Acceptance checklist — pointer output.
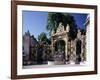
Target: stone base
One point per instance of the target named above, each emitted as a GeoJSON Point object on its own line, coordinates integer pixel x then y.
{"type": "Point", "coordinates": [59, 62]}
{"type": "Point", "coordinates": [50, 62]}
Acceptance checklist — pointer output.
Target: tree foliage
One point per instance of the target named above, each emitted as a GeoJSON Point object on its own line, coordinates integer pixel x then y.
{"type": "Point", "coordinates": [83, 31]}
{"type": "Point", "coordinates": [55, 18]}
{"type": "Point", "coordinates": [43, 38]}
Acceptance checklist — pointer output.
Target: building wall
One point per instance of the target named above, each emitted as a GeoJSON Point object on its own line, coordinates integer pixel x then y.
{"type": "Point", "coordinates": [26, 45]}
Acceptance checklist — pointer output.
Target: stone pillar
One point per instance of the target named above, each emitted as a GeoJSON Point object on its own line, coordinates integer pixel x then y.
{"type": "Point", "coordinates": [52, 46]}
{"type": "Point", "coordinates": [65, 39]}
{"type": "Point", "coordinates": [83, 48]}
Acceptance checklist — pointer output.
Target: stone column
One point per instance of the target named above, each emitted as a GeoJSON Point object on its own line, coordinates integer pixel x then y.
{"type": "Point", "coordinates": [65, 39]}
{"type": "Point", "coordinates": [52, 46]}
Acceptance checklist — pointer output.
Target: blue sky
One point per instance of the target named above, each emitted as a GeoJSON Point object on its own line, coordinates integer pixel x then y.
{"type": "Point", "coordinates": [80, 19]}
{"type": "Point", "coordinates": [36, 21]}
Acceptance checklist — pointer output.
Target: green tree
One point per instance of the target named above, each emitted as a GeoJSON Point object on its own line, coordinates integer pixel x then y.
{"type": "Point", "coordinates": [53, 21]}
{"type": "Point", "coordinates": [83, 31]}
{"type": "Point", "coordinates": [55, 18]}
{"type": "Point", "coordinates": [42, 37]}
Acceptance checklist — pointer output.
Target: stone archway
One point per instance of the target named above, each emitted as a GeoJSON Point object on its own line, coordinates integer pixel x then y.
{"type": "Point", "coordinates": [60, 45]}
{"type": "Point", "coordinates": [60, 34]}
{"type": "Point", "coordinates": [78, 51]}
{"type": "Point", "coordinates": [63, 38]}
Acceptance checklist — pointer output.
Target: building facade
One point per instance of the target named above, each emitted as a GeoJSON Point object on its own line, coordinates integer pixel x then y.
{"type": "Point", "coordinates": [29, 43]}
{"type": "Point", "coordinates": [26, 45]}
